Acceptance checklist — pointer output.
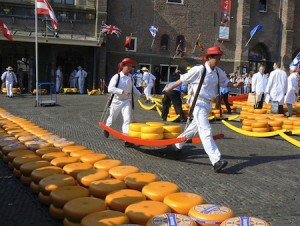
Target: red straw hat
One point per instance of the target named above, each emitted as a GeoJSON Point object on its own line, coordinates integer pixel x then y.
{"type": "Point", "coordinates": [128, 61]}
{"type": "Point", "coordinates": [215, 50]}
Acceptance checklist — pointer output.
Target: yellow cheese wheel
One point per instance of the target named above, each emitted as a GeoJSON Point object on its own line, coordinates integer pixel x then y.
{"type": "Point", "coordinates": [28, 167]}
{"type": "Point", "coordinates": [40, 173]}
{"type": "Point", "coordinates": [274, 128]}
{"type": "Point", "coordinates": [56, 140]}
{"type": "Point", "coordinates": [73, 148]}
{"type": "Point", "coordinates": [136, 127]}
{"type": "Point", "coordinates": [119, 200]}
{"type": "Point", "coordinates": [260, 129]}
{"type": "Point", "coordinates": [171, 135]}
{"type": "Point", "coordinates": [132, 133]}
{"type": "Point", "coordinates": [40, 152]}
{"type": "Point", "coordinates": [106, 217]}
{"type": "Point", "coordinates": [210, 214]}
{"type": "Point", "coordinates": [56, 213]}
{"type": "Point", "coordinates": [10, 156]}
{"type": "Point", "coordinates": [18, 161]}
{"type": "Point", "coordinates": [101, 188]}
{"type": "Point", "coordinates": [107, 164]}
{"type": "Point", "coordinates": [34, 187]}
{"type": "Point", "coordinates": [79, 153]}
{"type": "Point", "coordinates": [13, 147]}
{"type": "Point", "coordinates": [74, 168]}
{"type": "Point", "coordinates": [296, 123]}
{"type": "Point", "coordinates": [260, 111]}
{"type": "Point", "coordinates": [92, 158]}
{"type": "Point", "coordinates": [62, 195]}
{"type": "Point", "coordinates": [158, 190]}
{"type": "Point", "coordinates": [152, 129]}
{"type": "Point", "coordinates": [53, 155]}
{"type": "Point", "coordinates": [67, 222]}
{"type": "Point", "coordinates": [62, 161]}
{"type": "Point", "coordinates": [78, 208]}
{"type": "Point", "coordinates": [171, 219]}
{"type": "Point", "coordinates": [182, 202]}
{"type": "Point", "coordinates": [247, 122]}
{"type": "Point", "coordinates": [155, 123]}
{"type": "Point", "coordinates": [152, 136]}
{"type": "Point", "coordinates": [63, 144]}
{"type": "Point", "coordinates": [34, 145]}
{"type": "Point", "coordinates": [287, 122]}
{"type": "Point", "coordinates": [25, 180]}
{"type": "Point", "coordinates": [48, 136]}
{"type": "Point", "coordinates": [245, 221]}
{"type": "Point", "coordinates": [172, 129]}
{"type": "Point", "coordinates": [52, 182]}
{"type": "Point", "coordinates": [259, 124]}
{"type": "Point", "coordinates": [45, 199]}
{"type": "Point", "coordinates": [7, 138]}
{"type": "Point", "coordinates": [88, 176]}
{"type": "Point", "coordinates": [120, 172]}
{"type": "Point", "coordinates": [288, 127]}
{"type": "Point", "coordinates": [141, 212]}
{"type": "Point", "coordinates": [275, 123]}
{"type": "Point", "coordinates": [138, 180]}
{"type": "Point", "coordinates": [27, 138]}
{"type": "Point", "coordinates": [17, 172]}
{"type": "Point", "coordinates": [8, 142]}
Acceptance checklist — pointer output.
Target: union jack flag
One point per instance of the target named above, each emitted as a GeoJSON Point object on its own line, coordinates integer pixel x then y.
{"type": "Point", "coordinates": [110, 29]}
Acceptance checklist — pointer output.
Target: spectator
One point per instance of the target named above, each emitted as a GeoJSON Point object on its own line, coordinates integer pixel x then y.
{"type": "Point", "coordinates": [81, 76]}
{"type": "Point", "coordinates": [292, 90]}
{"type": "Point", "coordinates": [259, 83]}
{"type": "Point", "coordinates": [58, 79]}
{"type": "Point", "coordinates": [73, 79]}
{"type": "Point", "coordinates": [10, 78]}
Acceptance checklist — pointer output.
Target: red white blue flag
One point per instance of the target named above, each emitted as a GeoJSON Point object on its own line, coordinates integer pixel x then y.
{"type": "Point", "coordinates": [43, 7]}
{"type": "Point", "coordinates": [110, 30]}
{"type": "Point", "coordinates": [5, 31]}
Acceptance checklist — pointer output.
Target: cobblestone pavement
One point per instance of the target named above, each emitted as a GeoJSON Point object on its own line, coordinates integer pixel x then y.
{"type": "Point", "coordinates": [262, 178]}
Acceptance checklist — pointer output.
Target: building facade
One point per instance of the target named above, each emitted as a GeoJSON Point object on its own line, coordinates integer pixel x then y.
{"type": "Point", "coordinates": [77, 43]}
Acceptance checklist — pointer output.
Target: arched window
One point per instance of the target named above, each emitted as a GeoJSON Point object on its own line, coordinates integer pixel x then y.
{"type": "Point", "coordinates": [180, 46]}
{"type": "Point", "coordinates": [164, 42]}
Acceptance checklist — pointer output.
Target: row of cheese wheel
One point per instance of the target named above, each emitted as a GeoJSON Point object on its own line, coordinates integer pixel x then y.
{"type": "Point", "coordinates": [153, 130]}
{"type": "Point", "coordinates": [90, 210]}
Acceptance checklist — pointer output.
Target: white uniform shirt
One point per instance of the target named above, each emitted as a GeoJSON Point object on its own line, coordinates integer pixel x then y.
{"type": "Point", "coordinates": [209, 88]}
{"type": "Point", "coordinates": [125, 84]}
{"type": "Point", "coordinates": [277, 85]}
{"type": "Point", "coordinates": [58, 74]}
{"type": "Point", "coordinates": [138, 78]}
{"type": "Point", "coordinates": [81, 74]}
{"type": "Point", "coordinates": [10, 77]}
{"type": "Point", "coordinates": [149, 78]}
{"type": "Point", "coordinates": [292, 89]}
{"type": "Point", "coordinates": [259, 82]}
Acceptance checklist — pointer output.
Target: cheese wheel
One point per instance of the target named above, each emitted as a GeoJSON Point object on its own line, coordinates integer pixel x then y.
{"type": "Point", "coordinates": [244, 221]}
{"type": "Point", "coordinates": [62, 195]}
{"type": "Point", "coordinates": [260, 111]}
{"type": "Point", "coordinates": [52, 182]}
{"type": "Point", "coordinates": [8, 142]}
{"type": "Point", "coordinates": [48, 136]}
{"type": "Point", "coordinates": [152, 129]}
{"type": "Point", "coordinates": [40, 173]}
{"type": "Point", "coordinates": [101, 188]}
{"type": "Point", "coordinates": [17, 172]}
{"type": "Point", "coordinates": [152, 136]}
{"type": "Point", "coordinates": [247, 128]}
{"type": "Point", "coordinates": [27, 138]}
{"type": "Point", "coordinates": [74, 168]}
{"type": "Point", "coordinates": [119, 200]}
{"type": "Point", "coordinates": [107, 164]}
{"type": "Point", "coordinates": [106, 217]}
{"type": "Point", "coordinates": [78, 208]}
{"type": "Point", "coordinates": [182, 202]}
{"type": "Point", "coordinates": [56, 213]}
{"type": "Point", "coordinates": [259, 125]}
{"type": "Point", "coordinates": [13, 147]}
{"type": "Point", "coordinates": [45, 199]}
{"type": "Point", "coordinates": [53, 155]}
{"type": "Point", "coordinates": [158, 190]}
{"type": "Point", "coordinates": [68, 149]}
{"type": "Point", "coordinates": [25, 180]}
{"type": "Point", "coordinates": [10, 156]}
{"type": "Point", "coordinates": [62, 161]}
{"type": "Point", "coordinates": [132, 133]}
{"type": "Point", "coordinates": [7, 138]}
{"type": "Point", "coordinates": [155, 123]}
{"type": "Point", "coordinates": [88, 176]}
{"type": "Point", "coordinates": [171, 135]}
{"type": "Point", "coordinates": [275, 123]}
{"type": "Point", "coordinates": [260, 129]}
{"type": "Point", "coordinates": [287, 122]}
{"type": "Point", "coordinates": [34, 187]}
{"type": "Point", "coordinates": [296, 123]}
{"type": "Point", "coordinates": [172, 129]}
{"type": "Point", "coordinates": [93, 157]}
{"type": "Point", "coordinates": [28, 167]}
{"type": "Point", "coordinates": [40, 152]}
{"type": "Point", "coordinates": [80, 153]}
{"type": "Point", "coordinates": [18, 161]}
{"type": "Point", "coordinates": [247, 122]}
{"type": "Point", "coordinates": [288, 127]}
{"type": "Point", "coordinates": [138, 180]}
{"type": "Point", "coordinates": [141, 212]}
{"type": "Point", "coordinates": [171, 219]}
{"type": "Point", "coordinates": [62, 144]}
{"type": "Point", "coordinates": [210, 214]}
{"type": "Point", "coordinates": [34, 145]}
{"type": "Point", "coordinates": [120, 172]}
{"type": "Point", "coordinates": [136, 127]}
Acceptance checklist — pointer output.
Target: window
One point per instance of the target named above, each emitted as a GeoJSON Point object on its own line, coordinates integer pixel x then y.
{"type": "Point", "coordinates": [166, 72]}
{"type": "Point", "coordinates": [70, 2]}
{"type": "Point", "coordinates": [57, 1]}
{"type": "Point", "coordinates": [175, 1]}
{"type": "Point", "coordinates": [164, 42]}
{"type": "Point", "coordinates": [67, 2]}
{"type": "Point", "coordinates": [262, 5]}
{"type": "Point", "coordinates": [133, 45]}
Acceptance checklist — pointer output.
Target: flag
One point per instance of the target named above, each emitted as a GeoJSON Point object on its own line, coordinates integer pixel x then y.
{"type": "Point", "coordinates": [50, 28]}
{"type": "Point", "coordinates": [128, 41]}
{"type": "Point", "coordinates": [43, 7]}
{"type": "Point", "coordinates": [5, 31]}
{"type": "Point", "coordinates": [153, 30]}
{"type": "Point", "coordinates": [255, 29]}
{"type": "Point", "coordinates": [179, 49]}
{"type": "Point", "coordinates": [199, 43]}
{"type": "Point", "coordinates": [296, 61]}
{"type": "Point", "coordinates": [110, 29]}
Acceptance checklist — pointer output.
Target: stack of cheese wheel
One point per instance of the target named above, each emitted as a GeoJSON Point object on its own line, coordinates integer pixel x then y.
{"type": "Point", "coordinates": [247, 124]}
{"type": "Point", "coordinates": [138, 180]}
{"type": "Point", "coordinates": [135, 129]}
{"type": "Point", "coordinates": [153, 131]}
{"type": "Point", "coordinates": [171, 131]}
{"type": "Point", "coordinates": [287, 124]}
{"type": "Point", "coordinates": [106, 217]}
{"type": "Point", "coordinates": [210, 214]}
{"type": "Point", "coordinates": [172, 112]}
{"type": "Point", "coordinates": [216, 113]}
{"type": "Point", "coordinates": [28, 167]}
{"type": "Point", "coordinates": [275, 124]}
{"type": "Point", "coordinates": [158, 190]}
{"type": "Point", "coordinates": [246, 221]}
{"type": "Point", "coordinates": [86, 177]}
{"type": "Point", "coordinates": [93, 157]}
{"type": "Point", "coordinates": [19, 161]}
{"type": "Point", "coordinates": [260, 126]}
{"type": "Point", "coordinates": [74, 168]}
{"type": "Point", "coordinates": [260, 111]}
{"type": "Point", "coordinates": [296, 122]}
{"type": "Point", "coordinates": [101, 188]}
{"type": "Point", "coordinates": [120, 172]}
{"type": "Point", "coordinates": [171, 219]}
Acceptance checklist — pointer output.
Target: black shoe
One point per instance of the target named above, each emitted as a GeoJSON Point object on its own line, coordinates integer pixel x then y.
{"type": "Point", "coordinates": [106, 134]}
{"type": "Point", "coordinates": [128, 144]}
{"type": "Point", "coordinates": [176, 149]}
{"type": "Point", "coordinates": [218, 166]}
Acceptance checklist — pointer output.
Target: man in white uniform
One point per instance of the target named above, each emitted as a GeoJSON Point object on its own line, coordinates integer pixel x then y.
{"type": "Point", "coordinates": [81, 75]}
{"type": "Point", "coordinates": [259, 83]}
{"type": "Point", "coordinates": [149, 80]}
{"type": "Point", "coordinates": [10, 78]}
{"type": "Point", "coordinates": [73, 79]}
{"type": "Point", "coordinates": [214, 77]}
{"type": "Point", "coordinates": [292, 90]}
{"type": "Point", "coordinates": [58, 78]}
{"type": "Point", "coordinates": [122, 87]}
{"type": "Point", "coordinates": [277, 86]}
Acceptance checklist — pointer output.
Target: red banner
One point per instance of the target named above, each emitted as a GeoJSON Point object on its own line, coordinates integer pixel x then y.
{"type": "Point", "coordinates": [225, 19]}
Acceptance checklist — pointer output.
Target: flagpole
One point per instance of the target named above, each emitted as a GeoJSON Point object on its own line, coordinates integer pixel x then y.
{"type": "Point", "coordinates": [36, 58]}
{"type": "Point", "coordinates": [152, 43]}
{"type": "Point", "coordinates": [249, 40]}
{"type": "Point", "coordinates": [198, 38]}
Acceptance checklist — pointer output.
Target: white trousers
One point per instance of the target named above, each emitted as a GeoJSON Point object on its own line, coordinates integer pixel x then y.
{"type": "Point", "coordinates": [147, 91]}
{"type": "Point", "coordinates": [81, 85]}
{"type": "Point", "coordinates": [57, 85]}
{"type": "Point", "coordinates": [200, 125]}
{"type": "Point", "coordinates": [9, 86]}
{"type": "Point", "coordinates": [117, 106]}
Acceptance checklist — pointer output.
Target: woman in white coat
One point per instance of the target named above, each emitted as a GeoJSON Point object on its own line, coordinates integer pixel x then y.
{"type": "Point", "coordinates": [10, 78]}
{"type": "Point", "coordinates": [292, 90]}
{"type": "Point", "coordinates": [81, 75]}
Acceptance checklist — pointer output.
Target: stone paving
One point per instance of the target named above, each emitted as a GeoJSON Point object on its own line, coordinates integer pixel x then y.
{"type": "Point", "coordinates": [262, 178]}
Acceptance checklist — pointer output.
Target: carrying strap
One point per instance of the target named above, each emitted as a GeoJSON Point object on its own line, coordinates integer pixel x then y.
{"type": "Point", "coordinates": [112, 96]}
{"type": "Point", "coordinates": [190, 115]}
{"type": "Point", "coordinates": [132, 99]}
{"type": "Point", "coordinates": [220, 99]}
